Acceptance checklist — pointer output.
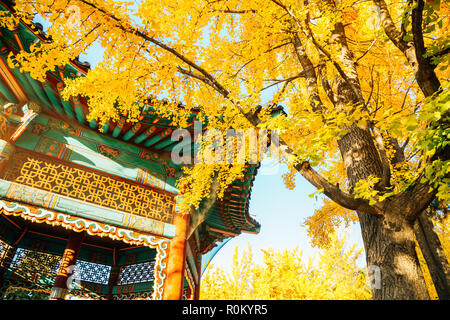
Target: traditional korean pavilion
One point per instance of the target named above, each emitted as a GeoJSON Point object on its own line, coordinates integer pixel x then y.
{"type": "Point", "coordinates": [95, 209]}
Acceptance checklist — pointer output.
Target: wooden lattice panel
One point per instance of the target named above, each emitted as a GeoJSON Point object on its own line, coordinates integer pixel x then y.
{"type": "Point", "coordinates": [92, 272]}
{"type": "Point", "coordinates": [91, 186]}
{"type": "Point", "coordinates": [137, 273]}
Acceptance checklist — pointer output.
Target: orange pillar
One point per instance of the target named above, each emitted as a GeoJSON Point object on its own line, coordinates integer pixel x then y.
{"type": "Point", "coordinates": [173, 289]}
{"type": "Point", "coordinates": [69, 259]}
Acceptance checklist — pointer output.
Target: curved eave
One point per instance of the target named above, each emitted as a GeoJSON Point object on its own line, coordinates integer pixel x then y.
{"type": "Point", "coordinates": [230, 216]}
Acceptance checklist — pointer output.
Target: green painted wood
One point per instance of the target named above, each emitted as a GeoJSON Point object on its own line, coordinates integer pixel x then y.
{"type": "Point", "coordinates": [164, 143]}
{"type": "Point", "coordinates": [93, 124]}
{"type": "Point", "coordinates": [86, 152]}
{"type": "Point", "coordinates": [26, 87]}
{"type": "Point", "coordinates": [79, 114]}
{"type": "Point", "coordinates": [105, 127]}
{"type": "Point", "coordinates": [27, 141]}
{"type": "Point", "coordinates": [128, 135]}
{"type": "Point", "coordinates": [39, 91]}
{"type": "Point", "coordinates": [118, 129]}
{"type": "Point", "coordinates": [152, 140]}
{"type": "Point", "coordinates": [52, 245]}
{"type": "Point", "coordinates": [191, 265]}
{"type": "Point", "coordinates": [102, 139]}
{"type": "Point", "coordinates": [66, 104]}
{"type": "Point", "coordinates": [56, 104]}
{"type": "Point", "coordinates": [132, 131]}
{"type": "Point", "coordinates": [102, 256]}
{"type": "Point", "coordinates": [9, 95]}
{"type": "Point", "coordinates": [136, 255]}
{"type": "Point", "coordinates": [145, 134]}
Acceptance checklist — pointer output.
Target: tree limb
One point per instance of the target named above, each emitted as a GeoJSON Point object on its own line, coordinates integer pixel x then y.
{"type": "Point", "coordinates": [389, 27]}
{"type": "Point", "coordinates": [330, 190]}
{"type": "Point", "coordinates": [287, 80]}
{"type": "Point", "coordinates": [415, 50]}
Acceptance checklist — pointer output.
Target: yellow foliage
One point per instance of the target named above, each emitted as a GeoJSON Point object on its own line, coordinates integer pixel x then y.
{"type": "Point", "coordinates": [332, 274]}
{"type": "Point", "coordinates": [326, 220]}
{"type": "Point", "coordinates": [222, 56]}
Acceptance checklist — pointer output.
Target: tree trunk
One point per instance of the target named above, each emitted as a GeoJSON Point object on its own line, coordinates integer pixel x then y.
{"type": "Point", "coordinates": [390, 250]}
{"type": "Point", "coordinates": [388, 238]}
{"type": "Point", "coordinates": [434, 255]}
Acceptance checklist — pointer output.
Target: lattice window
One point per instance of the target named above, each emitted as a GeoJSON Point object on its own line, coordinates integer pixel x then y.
{"type": "Point", "coordinates": [30, 262]}
{"type": "Point", "coordinates": [92, 272]}
{"type": "Point", "coordinates": [137, 273]}
{"type": "Point", "coordinates": [4, 247]}
{"type": "Point", "coordinates": [69, 180]}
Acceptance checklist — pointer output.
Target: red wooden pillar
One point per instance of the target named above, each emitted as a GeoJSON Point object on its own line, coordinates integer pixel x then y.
{"type": "Point", "coordinates": [69, 258]}
{"type": "Point", "coordinates": [114, 275]}
{"type": "Point", "coordinates": [173, 288]}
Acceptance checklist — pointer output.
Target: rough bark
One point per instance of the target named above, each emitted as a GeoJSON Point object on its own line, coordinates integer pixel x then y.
{"type": "Point", "coordinates": [434, 255]}
{"type": "Point", "coordinates": [389, 245]}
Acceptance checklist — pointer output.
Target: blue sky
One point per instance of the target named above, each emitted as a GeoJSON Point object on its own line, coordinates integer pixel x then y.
{"type": "Point", "coordinates": [281, 213]}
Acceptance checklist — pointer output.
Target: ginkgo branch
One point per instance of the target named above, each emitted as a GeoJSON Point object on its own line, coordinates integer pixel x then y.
{"type": "Point", "coordinates": [367, 51]}
{"type": "Point", "coordinates": [330, 190]}
{"type": "Point", "coordinates": [287, 80]}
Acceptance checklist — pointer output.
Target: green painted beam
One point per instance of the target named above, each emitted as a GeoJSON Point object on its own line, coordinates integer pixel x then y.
{"type": "Point", "coordinates": [39, 91]}
{"type": "Point", "coordinates": [6, 91]}
{"type": "Point", "coordinates": [79, 114]}
{"type": "Point", "coordinates": [131, 132]}
{"type": "Point", "coordinates": [26, 87]}
{"type": "Point", "coordinates": [93, 124]}
{"type": "Point", "coordinates": [105, 128]}
{"type": "Point", "coordinates": [157, 138]}
{"type": "Point", "coordinates": [145, 134]}
{"type": "Point", "coordinates": [118, 129]}
{"type": "Point", "coordinates": [164, 143]}
{"type": "Point", "coordinates": [152, 140]}
{"type": "Point", "coordinates": [66, 104]}
{"type": "Point", "coordinates": [53, 98]}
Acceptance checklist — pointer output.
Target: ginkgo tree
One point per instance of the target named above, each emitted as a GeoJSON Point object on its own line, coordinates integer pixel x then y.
{"type": "Point", "coordinates": [330, 274]}
{"type": "Point", "coordinates": [364, 85]}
